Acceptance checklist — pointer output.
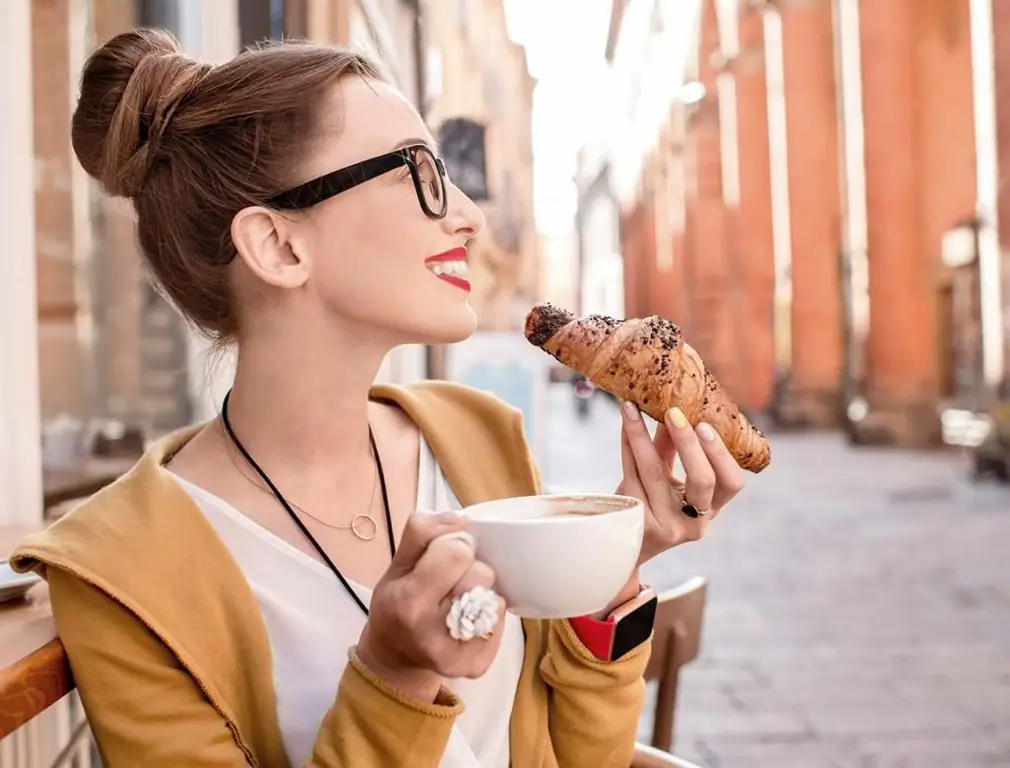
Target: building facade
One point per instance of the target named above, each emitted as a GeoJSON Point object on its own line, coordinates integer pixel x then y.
{"type": "Point", "coordinates": [830, 160]}
{"type": "Point", "coordinates": [479, 103]}
{"type": "Point", "coordinates": [599, 272]}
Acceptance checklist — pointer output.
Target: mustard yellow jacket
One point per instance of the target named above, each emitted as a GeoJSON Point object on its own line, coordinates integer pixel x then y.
{"type": "Point", "coordinates": [171, 655]}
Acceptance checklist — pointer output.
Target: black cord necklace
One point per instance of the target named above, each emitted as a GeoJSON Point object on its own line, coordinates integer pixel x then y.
{"type": "Point", "coordinates": [298, 521]}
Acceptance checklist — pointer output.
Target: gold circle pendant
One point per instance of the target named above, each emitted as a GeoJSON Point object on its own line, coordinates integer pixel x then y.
{"type": "Point", "coordinates": [364, 527]}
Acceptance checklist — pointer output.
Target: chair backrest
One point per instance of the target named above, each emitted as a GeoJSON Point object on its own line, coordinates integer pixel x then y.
{"type": "Point", "coordinates": [677, 637]}
{"type": "Point", "coordinates": [650, 757]}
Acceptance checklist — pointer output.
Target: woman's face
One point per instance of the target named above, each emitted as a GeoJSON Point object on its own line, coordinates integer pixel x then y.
{"type": "Point", "coordinates": [370, 255]}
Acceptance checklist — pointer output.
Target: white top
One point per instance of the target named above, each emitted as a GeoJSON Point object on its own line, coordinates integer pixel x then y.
{"type": "Point", "coordinates": [311, 621]}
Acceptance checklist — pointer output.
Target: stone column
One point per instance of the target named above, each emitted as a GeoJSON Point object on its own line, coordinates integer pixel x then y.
{"type": "Point", "coordinates": [711, 327]}
{"type": "Point", "coordinates": [754, 240]}
{"type": "Point", "coordinates": [952, 193]}
{"type": "Point", "coordinates": [920, 182]}
{"type": "Point", "coordinates": [812, 394]}
{"type": "Point", "coordinates": [898, 365]}
{"type": "Point", "coordinates": [20, 460]}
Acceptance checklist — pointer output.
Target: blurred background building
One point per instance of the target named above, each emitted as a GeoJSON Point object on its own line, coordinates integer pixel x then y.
{"type": "Point", "coordinates": [818, 201]}
{"type": "Point", "coordinates": [809, 187]}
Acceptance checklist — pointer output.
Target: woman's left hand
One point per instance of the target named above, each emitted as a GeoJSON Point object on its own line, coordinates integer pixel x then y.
{"type": "Point", "coordinates": [676, 510]}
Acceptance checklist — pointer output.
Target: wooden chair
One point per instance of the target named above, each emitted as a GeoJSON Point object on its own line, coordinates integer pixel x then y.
{"type": "Point", "coordinates": [650, 757]}
{"type": "Point", "coordinates": [676, 642]}
{"type": "Point", "coordinates": [32, 685]}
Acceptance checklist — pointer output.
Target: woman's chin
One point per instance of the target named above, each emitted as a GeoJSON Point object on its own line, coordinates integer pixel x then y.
{"type": "Point", "coordinates": [460, 327]}
{"type": "Point", "coordinates": [449, 326]}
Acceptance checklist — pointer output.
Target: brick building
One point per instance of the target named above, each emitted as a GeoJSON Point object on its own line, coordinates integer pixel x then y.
{"type": "Point", "coordinates": [816, 173]}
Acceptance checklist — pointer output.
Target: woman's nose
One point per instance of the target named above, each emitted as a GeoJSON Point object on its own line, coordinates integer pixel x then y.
{"type": "Point", "coordinates": [463, 216]}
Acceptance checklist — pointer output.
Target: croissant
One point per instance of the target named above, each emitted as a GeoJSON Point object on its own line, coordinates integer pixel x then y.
{"type": "Point", "coordinates": [646, 361]}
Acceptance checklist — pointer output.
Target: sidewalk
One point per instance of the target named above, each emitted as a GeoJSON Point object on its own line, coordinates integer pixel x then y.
{"type": "Point", "coordinates": [859, 607]}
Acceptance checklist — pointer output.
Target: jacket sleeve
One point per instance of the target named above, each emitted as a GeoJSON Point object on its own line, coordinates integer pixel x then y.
{"type": "Point", "coordinates": [594, 705]}
{"type": "Point", "coordinates": [144, 708]}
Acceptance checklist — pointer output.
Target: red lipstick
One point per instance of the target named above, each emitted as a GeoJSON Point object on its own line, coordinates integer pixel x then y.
{"type": "Point", "coordinates": [456, 254]}
{"type": "Point", "coordinates": [450, 267]}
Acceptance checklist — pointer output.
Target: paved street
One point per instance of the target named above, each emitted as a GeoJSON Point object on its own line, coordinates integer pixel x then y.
{"type": "Point", "coordinates": [859, 606]}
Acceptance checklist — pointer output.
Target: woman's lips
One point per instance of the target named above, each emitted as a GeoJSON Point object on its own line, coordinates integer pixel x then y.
{"type": "Point", "coordinates": [450, 267]}
{"type": "Point", "coordinates": [459, 282]}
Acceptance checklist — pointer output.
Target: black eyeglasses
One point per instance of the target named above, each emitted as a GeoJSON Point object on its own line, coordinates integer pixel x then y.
{"type": "Point", "coordinates": [426, 170]}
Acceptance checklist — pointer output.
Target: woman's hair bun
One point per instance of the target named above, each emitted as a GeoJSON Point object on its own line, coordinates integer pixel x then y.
{"type": "Point", "coordinates": [130, 89]}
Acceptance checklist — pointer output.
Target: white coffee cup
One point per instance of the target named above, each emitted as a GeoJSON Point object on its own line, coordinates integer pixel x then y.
{"type": "Point", "coordinates": [559, 555]}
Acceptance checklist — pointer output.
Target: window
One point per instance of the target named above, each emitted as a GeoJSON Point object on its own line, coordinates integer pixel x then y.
{"type": "Point", "coordinates": [462, 146]}
{"type": "Point", "coordinates": [260, 20]}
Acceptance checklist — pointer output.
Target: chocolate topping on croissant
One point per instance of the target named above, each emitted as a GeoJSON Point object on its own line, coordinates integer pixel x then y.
{"type": "Point", "coordinates": [646, 361]}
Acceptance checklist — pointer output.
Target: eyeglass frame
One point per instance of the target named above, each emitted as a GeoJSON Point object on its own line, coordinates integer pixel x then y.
{"type": "Point", "coordinates": [322, 188]}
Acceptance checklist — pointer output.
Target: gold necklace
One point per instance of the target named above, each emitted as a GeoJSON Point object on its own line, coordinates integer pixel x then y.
{"type": "Point", "coordinates": [363, 525]}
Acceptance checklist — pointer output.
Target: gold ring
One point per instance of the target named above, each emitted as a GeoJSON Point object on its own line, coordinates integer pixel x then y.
{"type": "Point", "coordinates": [692, 511]}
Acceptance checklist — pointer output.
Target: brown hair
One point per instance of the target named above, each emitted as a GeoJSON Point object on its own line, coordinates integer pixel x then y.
{"type": "Point", "coordinates": [192, 144]}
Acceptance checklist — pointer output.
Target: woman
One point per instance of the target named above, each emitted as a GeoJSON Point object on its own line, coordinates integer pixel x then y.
{"type": "Point", "coordinates": [258, 590]}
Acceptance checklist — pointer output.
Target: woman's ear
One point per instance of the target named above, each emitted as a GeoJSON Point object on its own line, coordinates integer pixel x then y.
{"type": "Point", "coordinates": [262, 238]}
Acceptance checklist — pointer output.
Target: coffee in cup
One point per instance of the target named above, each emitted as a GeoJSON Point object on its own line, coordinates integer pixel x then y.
{"type": "Point", "coordinates": [558, 555]}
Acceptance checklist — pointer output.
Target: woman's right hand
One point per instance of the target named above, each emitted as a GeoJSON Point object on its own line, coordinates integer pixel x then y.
{"type": "Point", "coordinates": [406, 641]}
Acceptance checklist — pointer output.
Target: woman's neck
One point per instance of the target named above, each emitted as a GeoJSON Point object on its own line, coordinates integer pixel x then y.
{"type": "Point", "coordinates": [303, 403]}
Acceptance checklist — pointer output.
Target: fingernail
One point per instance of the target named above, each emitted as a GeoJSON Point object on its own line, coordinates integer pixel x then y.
{"type": "Point", "coordinates": [631, 411]}
{"type": "Point", "coordinates": [706, 432]}
{"type": "Point", "coordinates": [676, 417]}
